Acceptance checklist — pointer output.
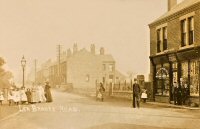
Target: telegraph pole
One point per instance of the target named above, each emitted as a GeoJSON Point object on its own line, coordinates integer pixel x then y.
{"type": "Point", "coordinates": [59, 47]}
{"type": "Point", "coordinates": [35, 62]}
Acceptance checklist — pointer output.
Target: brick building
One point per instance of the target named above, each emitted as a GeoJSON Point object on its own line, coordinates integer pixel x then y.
{"type": "Point", "coordinates": [175, 50]}
{"type": "Point", "coordinates": [82, 68]}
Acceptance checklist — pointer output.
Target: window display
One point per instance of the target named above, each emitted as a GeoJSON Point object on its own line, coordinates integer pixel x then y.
{"type": "Point", "coordinates": [194, 78]}
{"type": "Point", "coordinates": [162, 75]}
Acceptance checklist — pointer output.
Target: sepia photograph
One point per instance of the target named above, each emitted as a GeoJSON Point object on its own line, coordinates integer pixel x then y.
{"type": "Point", "coordinates": [99, 64]}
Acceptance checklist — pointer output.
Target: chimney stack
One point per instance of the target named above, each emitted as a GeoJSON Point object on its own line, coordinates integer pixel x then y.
{"type": "Point", "coordinates": [101, 51]}
{"type": "Point", "coordinates": [171, 4]}
{"type": "Point", "coordinates": [92, 49]}
{"type": "Point", "coordinates": [69, 53]}
{"type": "Point", "coordinates": [75, 49]}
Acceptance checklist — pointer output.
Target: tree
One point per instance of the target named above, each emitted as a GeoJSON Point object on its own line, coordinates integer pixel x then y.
{"type": "Point", "coordinates": [130, 74]}
{"type": "Point", "coordinates": [5, 76]}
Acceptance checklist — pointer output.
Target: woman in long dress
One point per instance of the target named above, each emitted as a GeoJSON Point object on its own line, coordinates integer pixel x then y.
{"type": "Point", "coordinates": [42, 97]}
{"type": "Point", "coordinates": [34, 96]}
{"type": "Point", "coordinates": [28, 95]}
{"type": "Point", "coordinates": [48, 92]}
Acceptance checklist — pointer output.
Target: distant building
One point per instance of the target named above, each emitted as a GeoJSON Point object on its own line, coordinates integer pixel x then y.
{"type": "Point", "coordinates": [175, 50]}
{"type": "Point", "coordinates": [83, 69]}
{"type": "Point", "coordinates": [141, 81]}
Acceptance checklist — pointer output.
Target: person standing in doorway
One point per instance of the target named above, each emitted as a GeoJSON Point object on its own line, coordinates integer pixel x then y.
{"type": "Point", "coordinates": [175, 91]}
{"type": "Point", "coordinates": [136, 94]}
{"type": "Point", "coordinates": [185, 95]}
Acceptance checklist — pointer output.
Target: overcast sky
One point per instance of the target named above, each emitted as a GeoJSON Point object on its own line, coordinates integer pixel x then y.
{"type": "Point", "coordinates": [33, 28]}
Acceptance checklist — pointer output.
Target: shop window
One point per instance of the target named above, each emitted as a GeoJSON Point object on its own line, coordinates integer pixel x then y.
{"type": "Point", "coordinates": [194, 78]}
{"type": "Point", "coordinates": [162, 83]}
{"type": "Point", "coordinates": [184, 71]}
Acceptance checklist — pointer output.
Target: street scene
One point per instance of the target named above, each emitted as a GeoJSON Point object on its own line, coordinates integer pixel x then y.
{"type": "Point", "coordinates": [80, 112]}
{"type": "Point", "coordinates": [91, 64]}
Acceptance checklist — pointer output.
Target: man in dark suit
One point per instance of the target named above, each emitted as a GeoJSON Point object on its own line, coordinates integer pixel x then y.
{"type": "Point", "coordinates": [136, 94]}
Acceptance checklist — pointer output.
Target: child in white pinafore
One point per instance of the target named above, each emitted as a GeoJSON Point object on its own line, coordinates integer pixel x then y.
{"type": "Point", "coordinates": [144, 95]}
{"type": "Point", "coordinates": [1, 97]}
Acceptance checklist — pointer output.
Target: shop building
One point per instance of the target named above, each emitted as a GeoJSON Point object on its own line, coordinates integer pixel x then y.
{"type": "Point", "coordinates": [175, 51]}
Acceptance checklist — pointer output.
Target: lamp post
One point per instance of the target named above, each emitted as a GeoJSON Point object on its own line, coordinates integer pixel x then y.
{"type": "Point", "coordinates": [23, 63]}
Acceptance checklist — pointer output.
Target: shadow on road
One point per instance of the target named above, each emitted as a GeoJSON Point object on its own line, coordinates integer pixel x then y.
{"type": "Point", "coordinates": [125, 126]}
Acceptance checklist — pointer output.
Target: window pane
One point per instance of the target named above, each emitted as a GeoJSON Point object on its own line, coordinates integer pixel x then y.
{"type": "Point", "coordinates": [165, 38]}
{"type": "Point", "coordinates": [158, 40]}
{"type": "Point", "coordinates": [111, 68]}
{"type": "Point", "coordinates": [191, 30]}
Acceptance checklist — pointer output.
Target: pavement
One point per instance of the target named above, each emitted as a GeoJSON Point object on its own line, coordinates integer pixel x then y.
{"type": "Point", "coordinates": [72, 111]}
{"type": "Point", "coordinates": [148, 103]}
{"type": "Point", "coordinates": [8, 111]}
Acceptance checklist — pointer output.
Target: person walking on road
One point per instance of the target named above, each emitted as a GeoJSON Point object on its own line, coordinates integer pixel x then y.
{"type": "Point", "coordinates": [101, 92]}
{"type": "Point", "coordinates": [136, 94]}
{"type": "Point", "coordinates": [48, 92]}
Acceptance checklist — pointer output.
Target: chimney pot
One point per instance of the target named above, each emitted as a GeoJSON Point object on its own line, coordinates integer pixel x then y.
{"type": "Point", "coordinates": [171, 4]}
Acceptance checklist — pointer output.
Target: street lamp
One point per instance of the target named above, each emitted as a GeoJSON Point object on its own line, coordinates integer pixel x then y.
{"type": "Point", "coordinates": [23, 63]}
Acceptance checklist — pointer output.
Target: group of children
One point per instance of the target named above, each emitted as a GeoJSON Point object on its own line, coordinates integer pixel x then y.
{"type": "Point", "coordinates": [21, 96]}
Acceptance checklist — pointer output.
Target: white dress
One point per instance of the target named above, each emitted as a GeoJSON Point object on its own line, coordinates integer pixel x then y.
{"type": "Point", "coordinates": [1, 96]}
{"type": "Point", "coordinates": [144, 95]}
{"type": "Point", "coordinates": [42, 97]}
{"type": "Point", "coordinates": [23, 96]}
{"type": "Point", "coordinates": [34, 95]}
{"type": "Point", "coordinates": [16, 96]}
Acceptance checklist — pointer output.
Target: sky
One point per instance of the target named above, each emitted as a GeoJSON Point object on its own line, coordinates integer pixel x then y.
{"type": "Point", "coordinates": [34, 28]}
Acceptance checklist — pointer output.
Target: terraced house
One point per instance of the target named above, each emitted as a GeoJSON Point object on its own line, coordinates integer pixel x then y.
{"type": "Point", "coordinates": [175, 50]}
{"type": "Point", "coordinates": [81, 69]}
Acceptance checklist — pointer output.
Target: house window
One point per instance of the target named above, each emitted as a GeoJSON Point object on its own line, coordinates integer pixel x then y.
{"type": "Point", "coordinates": [191, 30]}
{"type": "Point", "coordinates": [111, 77]}
{"type": "Point", "coordinates": [111, 68]}
{"type": "Point", "coordinates": [183, 33]}
{"type": "Point", "coordinates": [158, 41]}
{"type": "Point", "coordinates": [87, 78]}
{"type": "Point", "coordinates": [104, 67]}
{"type": "Point", "coordinates": [164, 38]}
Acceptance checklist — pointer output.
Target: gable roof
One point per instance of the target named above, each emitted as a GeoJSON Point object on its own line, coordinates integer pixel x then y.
{"type": "Point", "coordinates": [106, 58]}
{"type": "Point", "coordinates": [179, 7]}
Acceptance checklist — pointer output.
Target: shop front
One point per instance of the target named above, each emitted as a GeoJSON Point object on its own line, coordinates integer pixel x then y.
{"type": "Point", "coordinates": [178, 67]}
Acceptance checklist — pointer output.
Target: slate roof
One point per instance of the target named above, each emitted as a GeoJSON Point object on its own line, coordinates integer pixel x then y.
{"type": "Point", "coordinates": [179, 7]}
{"type": "Point", "coordinates": [106, 58]}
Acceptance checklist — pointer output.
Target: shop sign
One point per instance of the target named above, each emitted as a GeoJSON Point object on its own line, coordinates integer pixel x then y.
{"type": "Point", "coordinates": [162, 73]}
{"type": "Point", "coordinates": [172, 58]}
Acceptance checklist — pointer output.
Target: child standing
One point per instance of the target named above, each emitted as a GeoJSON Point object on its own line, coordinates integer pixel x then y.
{"type": "Point", "coordinates": [10, 97]}
{"type": "Point", "coordinates": [1, 97]}
{"type": "Point", "coordinates": [144, 95]}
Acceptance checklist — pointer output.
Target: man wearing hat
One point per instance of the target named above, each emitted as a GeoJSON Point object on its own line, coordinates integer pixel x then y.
{"type": "Point", "coordinates": [136, 94]}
